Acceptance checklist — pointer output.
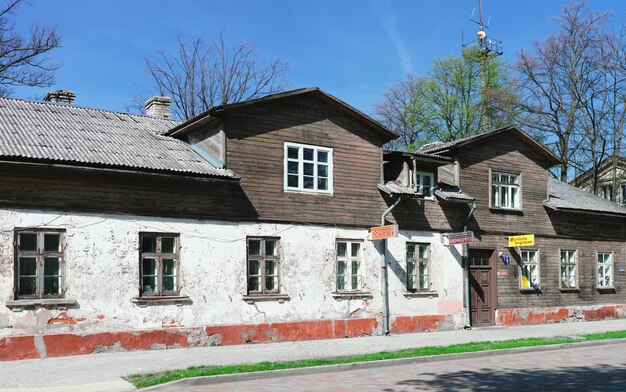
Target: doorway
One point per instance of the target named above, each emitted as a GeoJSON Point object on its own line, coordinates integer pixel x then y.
{"type": "Point", "coordinates": [482, 266]}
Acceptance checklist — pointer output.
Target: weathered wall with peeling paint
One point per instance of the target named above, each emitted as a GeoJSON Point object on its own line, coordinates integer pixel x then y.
{"type": "Point", "coordinates": [102, 275]}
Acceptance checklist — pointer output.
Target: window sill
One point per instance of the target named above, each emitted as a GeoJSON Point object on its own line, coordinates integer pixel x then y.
{"type": "Point", "coordinates": [421, 294]}
{"type": "Point", "coordinates": [341, 295]}
{"type": "Point", "coordinates": [252, 298]}
{"type": "Point", "coordinates": [606, 289]}
{"type": "Point", "coordinates": [301, 192]}
{"type": "Point", "coordinates": [42, 302]}
{"type": "Point", "coordinates": [570, 289]}
{"type": "Point", "coordinates": [506, 210]}
{"type": "Point", "coordinates": [164, 300]}
{"type": "Point", "coordinates": [536, 290]}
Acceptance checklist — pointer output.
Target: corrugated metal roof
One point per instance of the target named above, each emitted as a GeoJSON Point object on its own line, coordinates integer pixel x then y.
{"type": "Point", "coordinates": [393, 188]}
{"type": "Point", "coordinates": [450, 192]}
{"type": "Point", "coordinates": [42, 131]}
{"type": "Point", "coordinates": [567, 197]}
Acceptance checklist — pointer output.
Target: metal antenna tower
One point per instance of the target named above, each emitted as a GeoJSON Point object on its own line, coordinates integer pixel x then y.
{"type": "Point", "coordinates": [488, 48]}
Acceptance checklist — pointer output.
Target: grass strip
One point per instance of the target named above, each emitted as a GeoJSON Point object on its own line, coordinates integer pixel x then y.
{"type": "Point", "coordinates": [150, 379]}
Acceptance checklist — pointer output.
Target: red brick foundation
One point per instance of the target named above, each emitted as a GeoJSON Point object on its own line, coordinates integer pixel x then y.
{"type": "Point", "coordinates": [59, 345]}
{"type": "Point", "coordinates": [549, 315]}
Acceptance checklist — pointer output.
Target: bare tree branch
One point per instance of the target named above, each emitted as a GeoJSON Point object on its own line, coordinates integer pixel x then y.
{"type": "Point", "coordinates": [24, 59]}
{"type": "Point", "coordinates": [207, 73]}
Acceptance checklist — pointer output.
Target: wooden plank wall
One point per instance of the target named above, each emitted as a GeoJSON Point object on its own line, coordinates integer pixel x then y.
{"type": "Point", "coordinates": [256, 136]}
{"type": "Point", "coordinates": [510, 296]}
{"type": "Point", "coordinates": [506, 152]}
{"type": "Point", "coordinates": [45, 187]}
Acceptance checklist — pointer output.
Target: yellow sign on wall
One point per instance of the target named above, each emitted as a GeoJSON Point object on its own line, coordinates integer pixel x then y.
{"type": "Point", "coordinates": [516, 241]}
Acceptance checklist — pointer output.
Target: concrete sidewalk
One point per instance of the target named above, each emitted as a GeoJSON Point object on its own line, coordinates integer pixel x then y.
{"type": "Point", "coordinates": [103, 372]}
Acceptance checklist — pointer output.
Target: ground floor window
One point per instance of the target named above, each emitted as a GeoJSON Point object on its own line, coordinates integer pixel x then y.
{"type": "Point", "coordinates": [39, 263]}
{"type": "Point", "coordinates": [529, 276]}
{"type": "Point", "coordinates": [569, 269]}
{"type": "Point", "coordinates": [417, 260]}
{"type": "Point", "coordinates": [605, 270]}
{"type": "Point", "coordinates": [263, 265]}
{"type": "Point", "coordinates": [348, 265]}
{"type": "Point", "coordinates": [159, 264]}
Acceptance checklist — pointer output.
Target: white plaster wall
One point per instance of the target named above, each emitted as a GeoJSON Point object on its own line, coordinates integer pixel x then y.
{"type": "Point", "coordinates": [102, 274]}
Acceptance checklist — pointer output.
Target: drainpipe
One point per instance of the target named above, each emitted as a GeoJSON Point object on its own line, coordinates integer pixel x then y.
{"type": "Point", "coordinates": [383, 270]}
{"type": "Point", "coordinates": [465, 259]}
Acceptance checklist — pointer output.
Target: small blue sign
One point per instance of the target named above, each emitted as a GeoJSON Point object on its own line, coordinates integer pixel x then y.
{"type": "Point", "coordinates": [506, 260]}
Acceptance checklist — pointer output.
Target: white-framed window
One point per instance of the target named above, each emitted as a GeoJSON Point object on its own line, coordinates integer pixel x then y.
{"type": "Point", "coordinates": [39, 258]}
{"type": "Point", "coordinates": [529, 276]}
{"type": "Point", "coordinates": [569, 269]}
{"type": "Point", "coordinates": [425, 183]}
{"type": "Point", "coordinates": [308, 168]}
{"type": "Point", "coordinates": [605, 269]}
{"type": "Point", "coordinates": [263, 268]}
{"type": "Point", "coordinates": [417, 277]}
{"type": "Point", "coordinates": [505, 190]}
{"type": "Point", "coordinates": [159, 264]}
{"type": "Point", "coordinates": [623, 194]}
{"type": "Point", "coordinates": [348, 265]}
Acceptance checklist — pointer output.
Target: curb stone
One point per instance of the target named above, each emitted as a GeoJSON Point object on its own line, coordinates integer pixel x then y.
{"type": "Point", "coordinates": [265, 374]}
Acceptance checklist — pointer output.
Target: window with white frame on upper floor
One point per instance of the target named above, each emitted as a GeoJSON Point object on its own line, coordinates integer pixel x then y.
{"type": "Point", "coordinates": [605, 270]}
{"type": "Point", "coordinates": [569, 269]}
{"type": "Point", "coordinates": [349, 265]}
{"type": "Point", "coordinates": [529, 274]}
{"type": "Point", "coordinates": [308, 168]}
{"type": "Point", "coordinates": [39, 258]}
{"type": "Point", "coordinates": [425, 183]}
{"type": "Point", "coordinates": [159, 264]}
{"type": "Point", "coordinates": [505, 190]}
{"type": "Point", "coordinates": [417, 260]}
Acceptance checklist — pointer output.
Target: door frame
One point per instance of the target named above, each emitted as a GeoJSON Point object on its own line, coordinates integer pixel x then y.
{"type": "Point", "coordinates": [493, 277]}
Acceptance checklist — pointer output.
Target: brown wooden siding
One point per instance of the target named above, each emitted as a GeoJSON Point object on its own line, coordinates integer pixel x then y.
{"type": "Point", "coordinates": [42, 187]}
{"type": "Point", "coordinates": [510, 295]}
{"type": "Point", "coordinates": [255, 141]}
{"type": "Point", "coordinates": [506, 152]}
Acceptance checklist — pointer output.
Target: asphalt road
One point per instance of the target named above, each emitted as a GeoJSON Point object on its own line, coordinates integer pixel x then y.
{"type": "Point", "coordinates": [601, 368]}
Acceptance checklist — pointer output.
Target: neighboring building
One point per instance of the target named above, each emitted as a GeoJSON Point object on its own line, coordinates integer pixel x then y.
{"type": "Point", "coordinates": [610, 180]}
{"type": "Point", "coordinates": [248, 223]}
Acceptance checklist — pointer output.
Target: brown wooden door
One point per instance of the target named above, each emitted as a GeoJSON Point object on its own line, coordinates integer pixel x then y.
{"type": "Point", "coordinates": [482, 287]}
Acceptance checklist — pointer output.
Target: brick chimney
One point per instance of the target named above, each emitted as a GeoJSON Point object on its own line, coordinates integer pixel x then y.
{"type": "Point", "coordinates": [158, 107]}
{"type": "Point", "coordinates": [60, 96]}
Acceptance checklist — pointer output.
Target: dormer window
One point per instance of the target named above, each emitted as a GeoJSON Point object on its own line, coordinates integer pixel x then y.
{"type": "Point", "coordinates": [425, 183]}
{"type": "Point", "coordinates": [308, 168]}
{"type": "Point", "coordinates": [505, 190]}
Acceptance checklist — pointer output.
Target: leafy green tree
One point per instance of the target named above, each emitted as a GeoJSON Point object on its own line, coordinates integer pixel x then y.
{"type": "Point", "coordinates": [446, 104]}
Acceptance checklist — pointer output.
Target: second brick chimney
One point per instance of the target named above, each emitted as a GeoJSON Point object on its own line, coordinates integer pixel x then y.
{"type": "Point", "coordinates": [158, 107]}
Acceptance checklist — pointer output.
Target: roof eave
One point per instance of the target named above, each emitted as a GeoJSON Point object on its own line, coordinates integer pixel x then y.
{"type": "Point", "coordinates": [583, 211]}
{"type": "Point", "coordinates": [119, 169]}
{"type": "Point", "coordinates": [218, 110]}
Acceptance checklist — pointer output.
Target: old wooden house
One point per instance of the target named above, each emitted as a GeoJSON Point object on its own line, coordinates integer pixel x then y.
{"type": "Point", "coordinates": [250, 223]}
{"type": "Point", "coordinates": [246, 224]}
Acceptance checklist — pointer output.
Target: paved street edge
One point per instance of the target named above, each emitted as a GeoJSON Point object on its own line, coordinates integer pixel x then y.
{"type": "Point", "coordinates": [225, 378]}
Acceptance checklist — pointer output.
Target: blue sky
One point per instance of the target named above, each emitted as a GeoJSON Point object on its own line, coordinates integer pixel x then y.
{"type": "Point", "coordinates": [352, 49]}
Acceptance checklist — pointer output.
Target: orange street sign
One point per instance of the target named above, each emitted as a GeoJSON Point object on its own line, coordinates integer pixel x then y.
{"type": "Point", "coordinates": [382, 232]}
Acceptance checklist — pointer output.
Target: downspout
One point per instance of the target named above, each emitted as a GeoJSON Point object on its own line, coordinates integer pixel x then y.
{"type": "Point", "coordinates": [383, 270]}
{"type": "Point", "coordinates": [465, 259]}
